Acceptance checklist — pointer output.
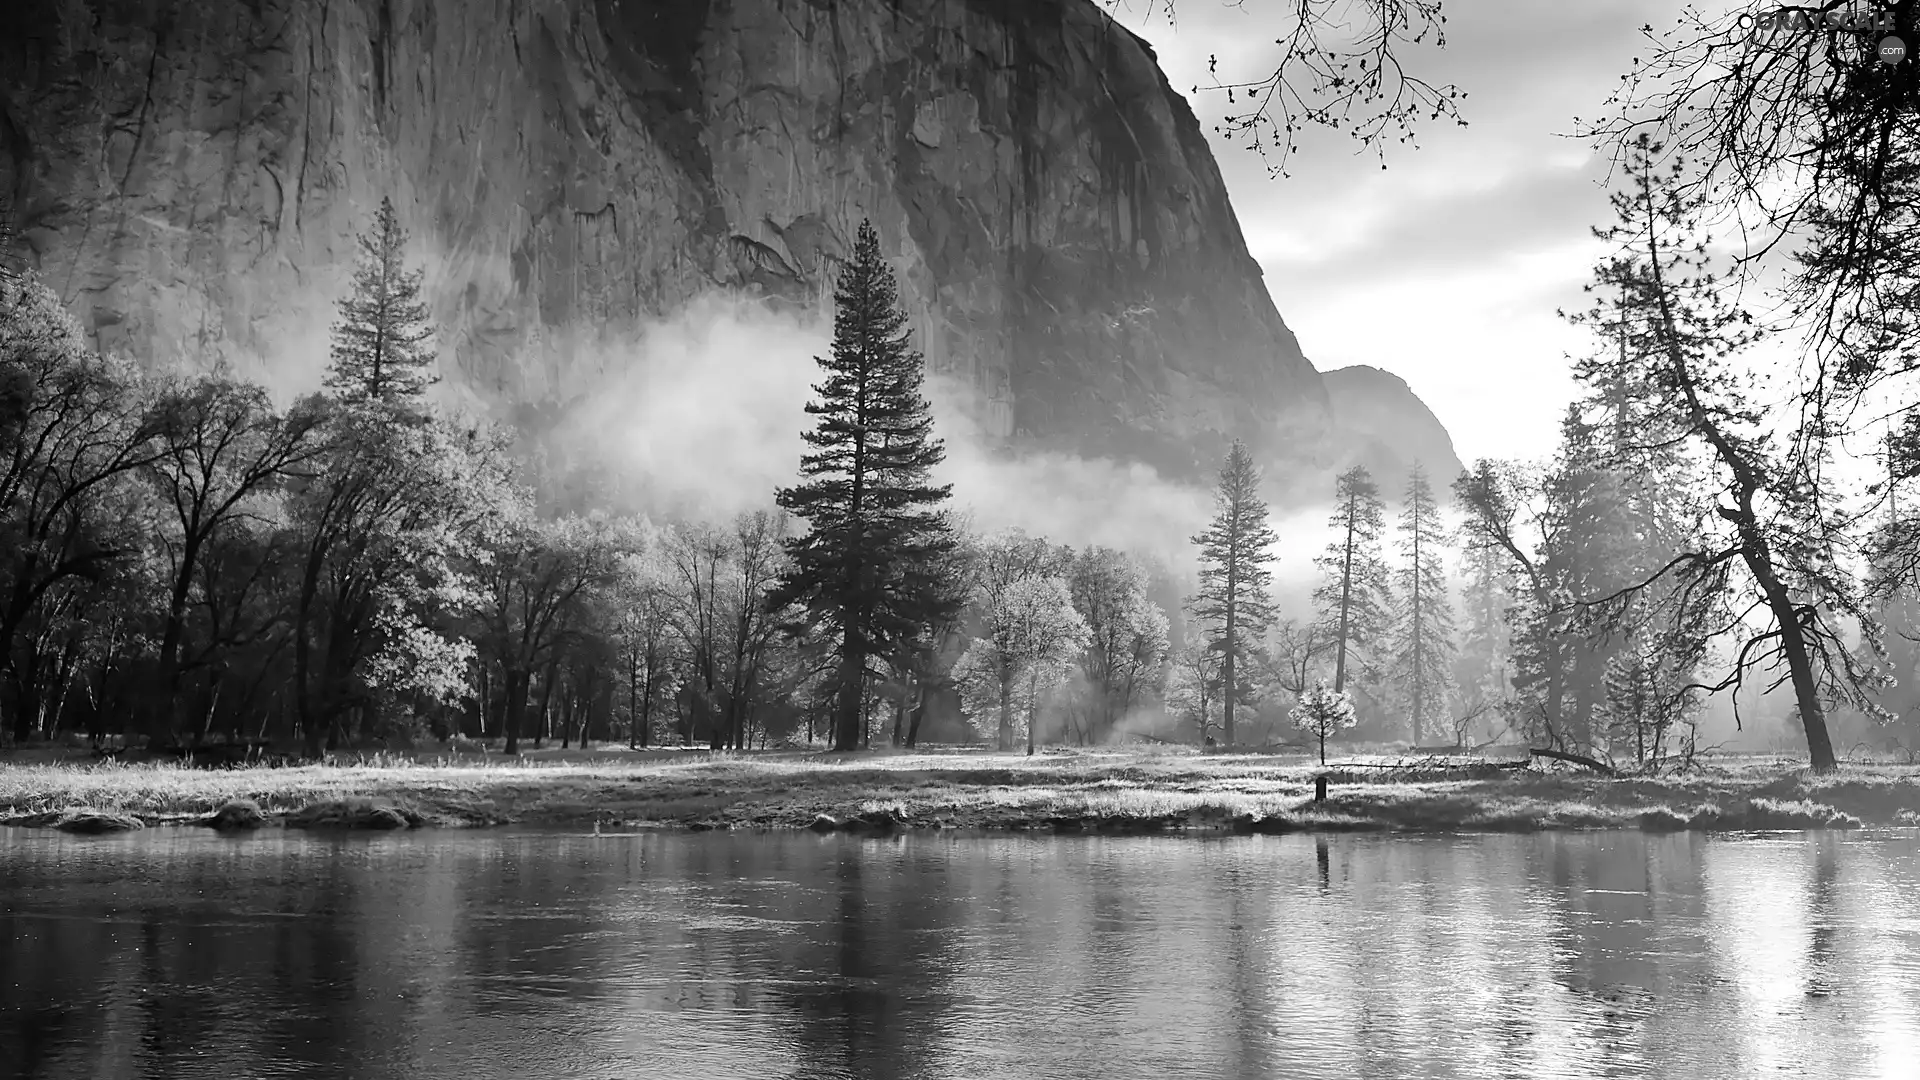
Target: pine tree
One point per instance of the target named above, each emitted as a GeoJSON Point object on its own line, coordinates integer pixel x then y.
{"type": "Point", "coordinates": [1423, 646]}
{"type": "Point", "coordinates": [381, 344]}
{"type": "Point", "coordinates": [1352, 598]}
{"type": "Point", "coordinates": [1644, 510]}
{"type": "Point", "coordinates": [1486, 639]}
{"type": "Point", "coordinates": [867, 569]}
{"type": "Point", "coordinates": [1775, 521]}
{"type": "Point", "coordinates": [1233, 602]}
{"type": "Point", "coordinates": [1594, 550]}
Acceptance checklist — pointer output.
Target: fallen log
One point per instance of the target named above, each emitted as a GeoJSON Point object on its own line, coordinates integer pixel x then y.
{"type": "Point", "coordinates": [1600, 767]}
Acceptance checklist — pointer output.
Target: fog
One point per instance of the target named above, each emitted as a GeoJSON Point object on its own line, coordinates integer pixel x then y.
{"type": "Point", "coordinates": [701, 414]}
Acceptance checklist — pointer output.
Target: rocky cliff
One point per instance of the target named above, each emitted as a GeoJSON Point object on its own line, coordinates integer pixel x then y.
{"type": "Point", "coordinates": [189, 174]}
{"type": "Point", "coordinates": [1389, 429]}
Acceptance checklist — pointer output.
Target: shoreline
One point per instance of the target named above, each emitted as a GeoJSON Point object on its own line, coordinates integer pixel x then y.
{"type": "Point", "coordinates": [1102, 792]}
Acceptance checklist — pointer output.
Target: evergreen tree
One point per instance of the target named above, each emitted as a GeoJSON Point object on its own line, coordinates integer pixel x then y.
{"type": "Point", "coordinates": [1645, 511]}
{"type": "Point", "coordinates": [381, 344]}
{"type": "Point", "coordinates": [1486, 639]}
{"type": "Point", "coordinates": [1775, 523]}
{"type": "Point", "coordinates": [867, 571]}
{"type": "Point", "coordinates": [1594, 548]}
{"type": "Point", "coordinates": [1233, 604]}
{"type": "Point", "coordinates": [1352, 598]}
{"type": "Point", "coordinates": [1495, 495]}
{"type": "Point", "coordinates": [1423, 646]}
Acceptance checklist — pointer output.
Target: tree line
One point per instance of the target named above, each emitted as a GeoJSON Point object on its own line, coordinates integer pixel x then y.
{"type": "Point", "coordinates": [181, 561]}
{"type": "Point", "coordinates": [185, 562]}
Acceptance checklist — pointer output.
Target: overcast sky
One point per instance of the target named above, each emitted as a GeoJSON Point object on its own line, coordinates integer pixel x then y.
{"type": "Point", "coordinates": [1446, 267]}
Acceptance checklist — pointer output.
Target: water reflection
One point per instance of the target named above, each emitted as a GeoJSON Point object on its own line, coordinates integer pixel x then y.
{"type": "Point", "coordinates": [475, 956]}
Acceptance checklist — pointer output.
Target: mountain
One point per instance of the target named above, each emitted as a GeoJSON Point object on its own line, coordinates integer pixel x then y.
{"type": "Point", "coordinates": [189, 175]}
{"type": "Point", "coordinates": [1391, 428]}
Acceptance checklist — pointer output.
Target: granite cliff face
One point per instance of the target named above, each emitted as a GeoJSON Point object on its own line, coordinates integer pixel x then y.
{"type": "Point", "coordinates": [1389, 429]}
{"type": "Point", "coordinates": [189, 175]}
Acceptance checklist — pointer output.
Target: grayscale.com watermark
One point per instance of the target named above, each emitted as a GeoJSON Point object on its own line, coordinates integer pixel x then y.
{"type": "Point", "coordinates": [1862, 32]}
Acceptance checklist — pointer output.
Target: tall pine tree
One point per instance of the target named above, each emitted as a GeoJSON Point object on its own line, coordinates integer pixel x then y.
{"type": "Point", "coordinates": [1352, 598]}
{"type": "Point", "coordinates": [1655, 639]}
{"type": "Point", "coordinates": [1423, 646]}
{"type": "Point", "coordinates": [1233, 604]}
{"type": "Point", "coordinates": [382, 348]}
{"type": "Point", "coordinates": [1486, 639]}
{"type": "Point", "coordinates": [867, 571]}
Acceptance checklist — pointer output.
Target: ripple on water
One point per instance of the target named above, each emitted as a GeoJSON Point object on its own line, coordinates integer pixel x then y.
{"type": "Point", "coordinates": [476, 956]}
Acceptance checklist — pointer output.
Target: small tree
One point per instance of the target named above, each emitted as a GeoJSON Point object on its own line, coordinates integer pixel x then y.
{"type": "Point", "coordinates": [1191, 684]}
{"type": "Point", "coordinates": [1322, 712]}
{"type": "Point", "coordinates": [1352, 597]}
{"type": "Point", "coordinates": [1127, 648]}
{"type": "Point", "coordinates": [1029, 631]}
{"type": "Point", "coordinates": [381, 349]}
{"type": "Point", "coordinates": [1233, 603]}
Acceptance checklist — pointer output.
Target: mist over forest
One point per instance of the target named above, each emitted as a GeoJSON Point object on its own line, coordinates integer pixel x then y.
{"type": "Point", "coordinates": [591, 521]}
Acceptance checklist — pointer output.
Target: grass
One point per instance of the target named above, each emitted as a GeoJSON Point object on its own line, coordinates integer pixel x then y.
{"type": "Point", "coordinates": [1128, 789]}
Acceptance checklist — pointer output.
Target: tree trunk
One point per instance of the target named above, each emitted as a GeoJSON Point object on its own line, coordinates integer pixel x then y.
{"type": "Point", "coordinates": [545, 730]}
{"type": "Point", "coordinates": [847, 713]}
{"type": "Point", "coordinates": [1419, 675]}
{"type": "Point", "coordinates": [1346, 601]}
{"type": "Point", "coordinates": [1005, 741]}
{"type": "Point", "coordinates": [514, 706]}
{"type": "Point", "coordinates": [919, 713]}
{"type": "Point", "coordinates": [22, 706]}
{"type": "Point", "coordinates": [1033, 710]}
{"type": "Point", "coordinates": [164, 711]}
{"type": "Point", "coordinates": [1793, 642]}
{"type": "Point", "coordinates": [1227, 673]}
{"type": "Point", "coordinates": [646, 706]}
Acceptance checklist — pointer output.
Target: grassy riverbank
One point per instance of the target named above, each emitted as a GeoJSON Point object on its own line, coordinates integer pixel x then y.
{"type": "Point", "coordinates": [1127, 790]}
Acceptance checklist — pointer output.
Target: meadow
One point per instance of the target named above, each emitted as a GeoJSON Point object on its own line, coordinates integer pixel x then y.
{"type": "Point", "coordinates": [1127, 789]}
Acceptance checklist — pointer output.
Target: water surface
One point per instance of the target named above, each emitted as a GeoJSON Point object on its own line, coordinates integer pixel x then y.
{"type": "Point", "coordinates": [176, 953]}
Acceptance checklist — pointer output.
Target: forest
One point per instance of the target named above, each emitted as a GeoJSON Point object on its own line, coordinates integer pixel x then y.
{"type": "Point", "coordinates": [185, 563]}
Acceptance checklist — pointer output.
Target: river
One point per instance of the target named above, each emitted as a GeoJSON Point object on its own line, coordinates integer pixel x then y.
{"type": "Point", "coordinates": [178, 953]}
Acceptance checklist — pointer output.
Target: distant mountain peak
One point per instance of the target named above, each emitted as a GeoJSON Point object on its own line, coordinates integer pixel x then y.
{"type": "Point", "coordinates": [1391, 427]}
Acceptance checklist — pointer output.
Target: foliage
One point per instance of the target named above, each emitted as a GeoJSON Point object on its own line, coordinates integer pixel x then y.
{"type": "Point", "coordinates": [1773, 522]}
{"type": "Point", "coordinates": [1029, 634]}
{"type": "Point", "coordinates": [1353, 595]}
{"type": "Point", "coordinates": [1484, 661]}
{"type": "Point", "coordinates": [1233, 605]}
{"type": "Point", "coordinates": [381, 349]}
{"type": "Point", "coordinates": [1323, 712]}
{"type": "Point", "coordinates": [1422, 636]}
{"type": "Point", "coordinates": [1801, 141]}
{"type": "Point", "coordinates": [863, 572]}
{"type": "Point", "coordinates": [1193, 685]}
{"type": "Point", "coordinates": [1127, 644]}
{"type": "Point", "coordinates": [1339, 75]}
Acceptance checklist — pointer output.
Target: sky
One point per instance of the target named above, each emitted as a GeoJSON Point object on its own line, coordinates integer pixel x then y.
{"type": "Point", "coordinates": [1445, 268]}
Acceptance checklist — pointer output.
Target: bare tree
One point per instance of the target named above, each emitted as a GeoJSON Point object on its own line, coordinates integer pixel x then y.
{"type": "Point", "coordinates": [1338, 68]}
{"type": "Point", "coordinates": [222, 450]}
